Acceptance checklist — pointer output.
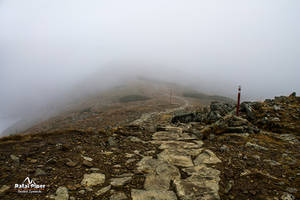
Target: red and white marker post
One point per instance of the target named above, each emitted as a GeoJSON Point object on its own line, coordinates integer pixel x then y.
{"type": "Point", "coordinates": [238, 102]}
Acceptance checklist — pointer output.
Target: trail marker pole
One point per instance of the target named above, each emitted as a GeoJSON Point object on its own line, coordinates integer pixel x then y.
{"type": "Point", "coordinates": [238, 102]}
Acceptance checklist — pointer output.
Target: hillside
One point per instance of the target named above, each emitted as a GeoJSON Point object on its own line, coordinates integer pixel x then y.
{"type": "Point", "coordinates": [147, 148]}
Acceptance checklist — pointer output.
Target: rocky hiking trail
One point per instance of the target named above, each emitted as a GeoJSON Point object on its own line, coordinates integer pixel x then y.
{"type": "Point", "coordinates": [208, 154]}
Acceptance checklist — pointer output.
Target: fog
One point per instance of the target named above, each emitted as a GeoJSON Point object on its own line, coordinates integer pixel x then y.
{"type": "Point", "coordinates": [48, 47]}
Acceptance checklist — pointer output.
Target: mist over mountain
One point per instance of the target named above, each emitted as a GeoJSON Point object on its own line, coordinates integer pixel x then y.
{"type": "Point", "coordinates": [53, 51]}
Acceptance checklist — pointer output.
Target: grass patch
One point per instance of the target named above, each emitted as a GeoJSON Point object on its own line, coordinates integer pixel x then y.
{"type": "Point", "coordinates": [132, 98]}
{"type": "Point", "coordinates": [198, 95]}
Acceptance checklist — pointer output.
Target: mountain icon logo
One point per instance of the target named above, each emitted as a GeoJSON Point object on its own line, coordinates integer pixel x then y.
{"type": "Point", "coordinates": [28, 181]}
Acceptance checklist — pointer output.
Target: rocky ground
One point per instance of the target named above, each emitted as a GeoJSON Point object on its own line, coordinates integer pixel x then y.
{"type": "Point", "coordinates": [208, 154]}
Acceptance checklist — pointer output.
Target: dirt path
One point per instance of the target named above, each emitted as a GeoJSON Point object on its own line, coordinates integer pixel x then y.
{"type": "Point", "coordinates": [147, 116]}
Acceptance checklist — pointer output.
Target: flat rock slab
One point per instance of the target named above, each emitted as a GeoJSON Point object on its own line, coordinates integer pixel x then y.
{"type": "Point", "coordinates": [118, 182]}
{"type": "Point", "coordinates": [158, 167]}
{"type": "Point", "coordinates": [176, 158]}
{"type": "Point", "coordinates": [186, 136]}
{"type": "Point", "coordinates": [179, 144]}
{"type": "Point", "coordinates": [203, 171]}
{"type": "Point", "coordinates": [168, 171]}
{"type": "Point", "coordinates": [207, 157]}
{"type": "Point", "coordinates": [93, 179]}
{"type": "Point", "coordinates": [188, 152]}
{"type": "Point", "coordinates": [164, 135]}
{"type": "Point", "coordinates": [171, 129]}
{"type": "Point", "coordinates": [118, 196]}
{"type": "Point", "coordinates": [103, 190]}
{"type": "Point", "coordinates": [152, 195]}
{"type": "Point", "coordinates": [157, 182]}
{"type": "Point", "coordinates": [196, 188]}
{"type": "Point", "coordinates": [148, 164]}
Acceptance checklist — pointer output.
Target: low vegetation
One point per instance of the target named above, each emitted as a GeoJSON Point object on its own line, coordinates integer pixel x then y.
{"type": "Point", "coordinates": [132, 98]}
{"type": "Point", "coordinates": [198, 95]}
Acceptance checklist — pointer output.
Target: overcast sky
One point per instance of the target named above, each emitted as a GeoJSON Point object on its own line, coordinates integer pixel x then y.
{"type": "Point", "coordinates": [46, 46]}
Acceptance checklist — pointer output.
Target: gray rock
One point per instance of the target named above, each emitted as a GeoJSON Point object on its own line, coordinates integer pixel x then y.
{"type": "Point", "coordinates": [169, 129]}
{"type": "Point", "coordinates": [256, 146]}
{"type": "Point", "coordinates": [272, 162]}
{"type": "Point", "coordinates": [164, 135]}
{"type": "Point", "coordinates": [112, 141]}
{"type": "Point", "coordinates": [87, 158]}
{"type": "Point", "coordinates": [179, 145]}
{"type": "Point", "coordinates": [70, 163]}
{"type": "Point", "coordinates": [229, 186]}
{"type": "Point", "coordinates": [288, 137]}
{"type": "Point", "coordinates": [276, 107]}
{"type": "Point", "coordinates": [62, 194]}
{"type": "Point", "coordinates": [87, 163]}
{"type": "Point", "coordinates": [176, 158]}
{"type": "Point", "coordinates": [15, 159]}
{"type": "Point", "coordinates": [135, 139]}
{"type": "Point", "coordinates": [207, 157]}
{"type": "Point", "coordinates": [287, 196]}
{"type": "Point", "coordinates": [246, 107]}
{"type": "Point", "coordinates": [157, 182]}
{"type": "Point", "coordinates": [292, 190]}
{"type": "Point", "coordinates": [203, 171]}
{"type": "Point", "coordinates": [103, 190]}
{"type": "Point", "coordinates": [118, 182]}
{"type": "Point", "coordinates": [275, 119]}
{"type": "Point", "coordinates": [196, 187]}
{"type": "Point", "coordinates": [118, 196]}
{"type": "Point", "coordinates": [81, 191]}
{"type": "Point", "coordinates": [224, 148]}
{"type": "Point", "coordinates": [152, 195]}
{"type": "Point", "coordinates": [4, 188]}
{"type": "Point", "coordinates": [93, 179]}
{"type": "Point", "coordinates": [39, 172]}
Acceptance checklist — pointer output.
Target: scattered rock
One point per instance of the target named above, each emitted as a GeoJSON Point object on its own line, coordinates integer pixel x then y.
{"type": "Point", "coordinates": [39, 172]}
{"type": "Point", "coordinates": [272, 162]}
{"type": "Point", "coordinates": [4, 189]}
{"type": "Point", "coordinates": [81, 191]}
{"type": "Point", "coordinates": [292, 190]}
{"type": "Point", "coordinates": [118, 196]}
{"type": "Point", "coordinates": [93, 179]}
{"type": "Point", "coordinates": [276, 107]}
{"type": "Point", "coordinates": [112, 141]}
{"type": "Point", "coordinates": [287, 196]}
{"type": "Point", "coordinates": [103, 190]}
{"type": "Point", "coordinates": [224, 148]}
{"type": "Point", "coordinates": [228, 186]}
{"type": "Point", "coordinates": [157, 182]}
{"type": "Point", "coordinates": [70, 163]}
{"type": "Point", "coordinates": [15, 159]}
{"type": "Point", "coordinates": [87, 158]}
{"type": "Point", "coordinates": [118, 182]}
{"type": "Point", "coordinates": [87, 163]}
{"type": "Point", "coordinates": [62, 193]}
{"type": "Point", "coordinates": [256, 146]}
{"type": "Point", "coordinates": [246, 107]}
